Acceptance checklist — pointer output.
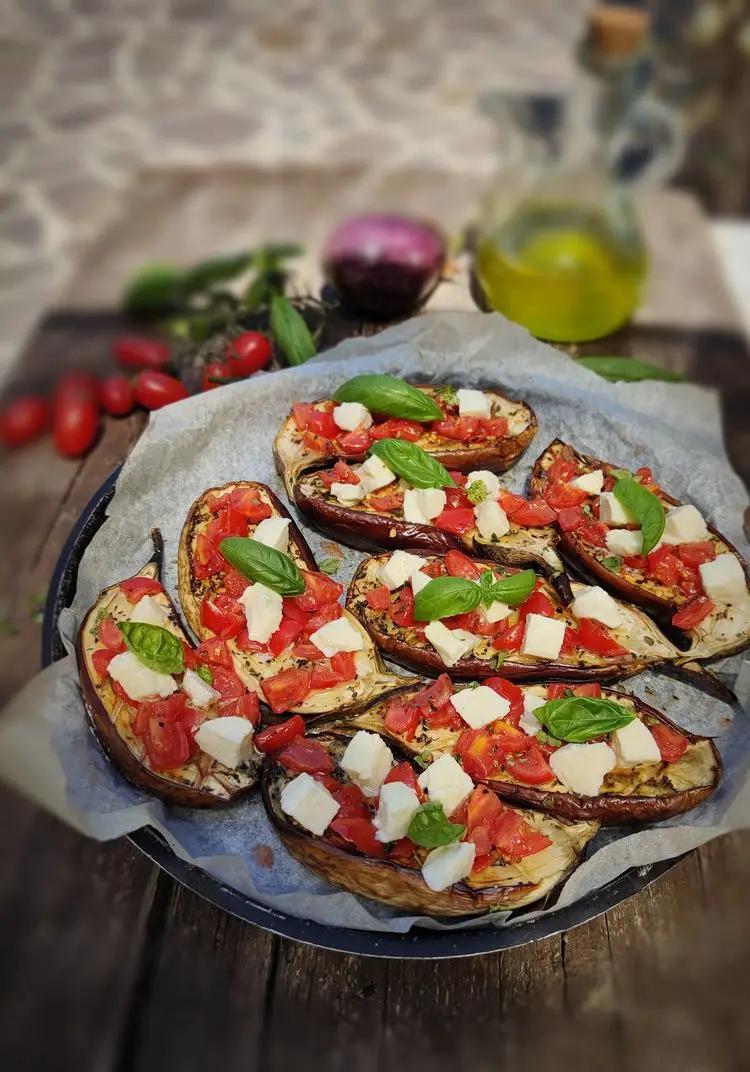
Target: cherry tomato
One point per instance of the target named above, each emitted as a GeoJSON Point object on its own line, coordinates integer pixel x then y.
{"type": "Point", "coordinates": [510, 639]}
{"type": "Point", "coordinates": [135, 588]}
{"type": "Point", "coordinates": [79, 386]}
{"type": "Point", "coordinates": [248, 353]}
{"type": "Point", "coordinates": [24, 420]}
{"type": "Point", "coordinates": [286, 689]}
{"type": "Point", "coordinates": [460, 565]}
{"type": "Point", "coordinates": [320, 591]}
{"type": "Point", "coordinates": [537, 603]}
{"type": "Point", "coordinates": [402, 608]}
{"type": "Point", "coordinates": [214, 374]}
{"type": "Point", "coordinates": [272, 738]}
{"type": "Point", "coordinates": [75, 424]}
{"type": "Point", "coordinates": [671, 744]}
{"type": "Point", "coordinates": [116, 395]}
{"type": "Point", "coordinates": [156, 389]}
{"type": "Point", "coordinates": [304, 756]}
{"type": "Point", "coordinates": [138, 352]}
{"type": "Point", "coordinates": [693, 613]}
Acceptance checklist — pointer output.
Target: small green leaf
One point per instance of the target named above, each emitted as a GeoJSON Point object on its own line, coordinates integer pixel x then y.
{"type": "Point", "coordinates": [390, 396]}
{"type": "Point", "coordinates": [290, 332]}
{"type": "Point", "coordinates": [515, 588]}
{"type": "Point", "coordinates": [154, 290]}
{"type": "Point", "coordinates": [430, 828]}
{"type": "Point", "coordinates": [206, 274]}
{"type": "Point", "coordinates": [499, 658]}
{"type": "Point", "coordinates": [476, 492]}
{"type": "Point", "coordinates": [646, 507]}
{"type": "Point", "coordinates": [628, 369]}
{"type": "Point", "coordinates": [424, 759]}
{"type": "Point", "coordinates": [581, 718]}
{"type": "Point", "coordinates": [155, 647]}
{"type": "Point", "coordinates": [487, 588]}
{"type": "Point", "coordinates": [206, 674]}
{"type": "Point", "coordinates": [612, 563]}
{"type": "Point", "coordinates": [331, 566]}
{"type": "Point", "coordinates": [445, 596]}
{"type": "Point", "coordinates": [263, 564]}
{"type": "Point", "coordinates": [415, 465]}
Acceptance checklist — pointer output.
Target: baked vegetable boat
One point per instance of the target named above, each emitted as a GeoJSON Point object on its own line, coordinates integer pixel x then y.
{"type": "Point", "coordinates": [423, 841]}
{"type": "Point", "coordinates": [463, 429]}
{"type": "Point", "coordinates": [623, 530]}
{"type": "Point", "coordinates": [174, 719]}
{"type": "Point", "coordinates": [287, 634]}
{"type": "Point", "coordinates": [579, 752]}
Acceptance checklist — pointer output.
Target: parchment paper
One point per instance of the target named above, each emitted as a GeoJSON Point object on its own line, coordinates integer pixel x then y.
{"type": "Point", "coordinates": [48, 751]}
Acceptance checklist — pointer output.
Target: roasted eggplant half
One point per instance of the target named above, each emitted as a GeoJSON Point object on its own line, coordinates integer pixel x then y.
{"type": "Point", "coordinates": [694, 580]}
{"type": "Point", "coordinates": [310, 438]}
{"type": "Point", "coordinates": [153, 741]}
{"type": "Point", "coordinates": [656, 775]}
{"type": "Point", "coordinates": [589, 652]}
{"type": "Point", "coordinates": [290, 673]}
{"type": "Point", "coordinates": [514, 862]}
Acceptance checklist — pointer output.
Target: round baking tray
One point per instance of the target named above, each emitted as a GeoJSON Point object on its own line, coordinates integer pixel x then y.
{"type": "Point", "coordinates": [417, 943]}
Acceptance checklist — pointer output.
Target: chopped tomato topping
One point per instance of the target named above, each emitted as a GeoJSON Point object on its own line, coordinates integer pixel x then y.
{"type": "Point", "coordinates": [206, 558]}
{"type": "Point", "coordinates": [636, 562]}
{"type": "Point", "coordinates": [529, 766]}
{"type": "Point", "coordinates": [222, 614]}
{"type": "Point", "coordinates": [304, 756]}
{"type": "Point", "coordinates": [379, 598]}
{"type": "Point", "coordinates": [226, 683]}
{"type": "Point", "coordinates": [510, 692]}
{"type": "Point", "coordinates": [245, 706]}
{"type": "Point", "coordinates": [404, 772]}
{"type": "Point", "coordinates": [402, 609]}
{"type": "Point", "coordinates": [510, 502]}
{"type": "Point", "coordinates": [234, 583]}
{"type": "Point", "coordinates": [671, 744]}
{"type": "Point", "coordinates": [402, 719]}
{"type": "Point", "coordinates": [350, 798]}
{"type": "Point", "coordinates": [434, 695]}
{"type": "Point", "coordinates": [533, 514]}
{"type": "Point", "coordinates": [694, 554]}
{"type": "Point", "coordinates": [340, 474]}
{"type": "Point", "coordinates": [562, 496]}
{"type": "Point", "coordinates": [460, 565]}
{"type": "Point", "coordinates": [286, 689]}
{"type": "Point", "coordinates": [214, 651]}
{"type": "Point", "coordinates": [307, 652]}
{"type": "Point", "coordinates": [692, 614]}
{"type": "Point", "coordinates": [248, 503]}
{"type": "Point", "coordinates": [433, 569]}
{"type": "Point", "coordinates": [537, 603]}
{"type": "Point", "coordinates": [101, 658]}
{"type": "Point", "coordinates": [459, 479]}
{"type": "Point", "coordinates": [562, 469]}
{"type": "Point", "coordinates": [387, 501]}
{"type": "Point", "coordinates": [228, 522]}
{"type": "Point", "coordinates": [571, 518]}
{"type": "Point", "coordinates": [663, 566]}
{"type": "Point", "coordinates": [457, 499]}
{"type": "Point", "coordinates": [360, 833]}
{"type": "Point", "coordinates": [571, 641]}
{"type": "Point", "coordinates": [510, 639]}
{"type": "Point", "coordinates": [357, 442]}
{"type": "Point", "coordinates": [272, 738]}
{"type": "Point", "coordinates": [320, 591]}
{"type": "Point", "coordinates": [462, 429]}
{"type": "Point", "coordinates": [456, 521]}
{"type": "Point", "coordinates": [329, 613]}
{"type": "Point", "coordinates": [167, 744]}
{"type": "Point", "coordinates": [495, 426]}
{"type": "Point", "coordinates": [480, 752]}
{"type": "Point", "coordinates": [285, 635]}
{"type": "Point", "coordinates": [515, 838]}
{"type": "Point", "coordinates": [558, 690]}
{"type": "Point", "coordinates": [596, 638]}
{"type": "Point", "coordinates": [593, 533]}
{"type": "Point", "coordinates": [397, 429]}
{"type": "Point", "coordinates": [135, 588]}
{"type": "Point", "coordinates": [594, 689]}
{"type": "Point", "coordinates": [111, 636]}
{"type": "Point", "coordinates": [318, 421]}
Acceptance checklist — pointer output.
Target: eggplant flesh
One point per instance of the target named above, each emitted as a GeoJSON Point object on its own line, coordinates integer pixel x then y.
{"type": "Point", "coordinates": [646, 645]}
{"type": "Point", "coordinates": [373, 680]}
{"type": "Point", "coordinates": [293, 456]}
{"type": "Point", "coordinates": [202, 782]}
{"type": "Point", "coordinates": [502, 886]}
{"type": "Point", "coordinates": [646, 792]}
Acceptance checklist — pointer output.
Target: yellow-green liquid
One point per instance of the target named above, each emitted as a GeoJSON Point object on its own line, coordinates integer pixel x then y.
{"type": "Point", "coordinates": [562, 272]}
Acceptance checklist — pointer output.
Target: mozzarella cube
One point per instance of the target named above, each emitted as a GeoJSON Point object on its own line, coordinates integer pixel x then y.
{"type": "Point", "coordinates": [448, 864]}
{"type": "Point", "coordinates": [612, 512]}
{"type": "Point", "coordinates": [595, 603]}
{"type": "Point", "coordinates": [367, 760]}
{"type": "Point", "coordinates": [338, 635]}
{"type": "Point", "coordinates": [375, 474]}
{"type": "Point", "coordinates": [496, 611]}
{"type": "Point", "coordinates": [446, 782]}
{"type": "Point", "coordinates": [418, 581]}
{"type": "Point", "coordinates": [399, 568]}
{"type": "Point", "coordinates": [473, 403]}
{"type": "Point", "coordinates": [138, 680]}
{"type": "Point", "coordinates": [684, 524]}
{"type": "Point", "coordinates": [150, 612]}
{"type": "Point", "coordinates": [723, 579]}
{"type": "Point", "coordinates": [309, 803]}
{"type": "Point", "coordinates": [543, 636]}
{"type": "Point", "coordinates": [528, 721]}
{"type": "Point", "coordinates": [396, 807]}
{"type": "Point", "coordinates": [228, 740]}
{"type": "Point", "coordinates": [625, 542]}
{"type": "Point", "coordinates": [591, 483]}
{"type": "Point", "coordinates": [412, 513]}
{"type": "Point", "coordinates": [351, 415]}
{"type": "Point", "coordinates": [635, 743]}
{"type": "Point", "coordinates": [201, 694]}
{"type": "Point", "coordinates": [491, 519]}
{"type": "Point", "coordinates": [273, 532]}
{"type": "Point", "coordinates": [264, 610]}
{"type": "Point", "coordinates": [348, 493]}
{"type": "Point", "coordinates": [490, 481]}
{"type": "Point", "coordinates": [450, 644]}
{"type": "Point", "coordinates": [581, 767]}
{"type": "Point", "coordinates": [421, 505]}
{"type": "Point", "coordinates": [480, 706]}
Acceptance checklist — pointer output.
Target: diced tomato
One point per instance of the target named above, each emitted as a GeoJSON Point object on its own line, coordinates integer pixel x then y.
{"type": "Point", "coordinates": [462, 429]}
{"type": "Point", "coordinates": [558, 690]}
{"type": "Point", "coordinates": [510, 502]}
{"type": "Point", "coordinates": [571, 641]}
{"type": "Point", "coordinates": [482, 807]}
{"type": "Point", "coordinates": [244, 643]}
{"type": "Point", "coordinates": [596, 638]}
{"type": "Point", "coordinates": [318, 443]}
{"type": "Point", "coordinates": [404, 772]}
{"type": "Point", "coordinates": [529, 767]}
{"type": "Point", "coordinates": [329, 613]}
{"type": "Point", "coordinates": [110, 635]}
{"type": "Point", "coordinates": [323, 676]}
{"type": "Point", "coordinates": [206, 558]}
{"type": "Point", "coordinates": [533, 514]}
{"type": "Point", "coordinates": [317, 421]}
{"type": "Point", "coordinates": [434, 695]}
{"type": "Point", "coordinates": [170, 709]}
{"type": "Point", "coordinates": [444, 718]}
{"type": "Point", "coordinates": [301, 411]}
{"type": "Point", "coordinates": [663, 566]}
{"type": "Point", "coordinates": [459, 479]}
{"type": "Point", "coordinates": [537, 603]}
{"type": "Point", "coordinates": [562, 470]}
{"type": "Point", "coordinates": [594, 689]}
{"type": "Point", "coordinates": [457, 499]}
{"type": "Point", "coordinates": [285, 635]}
{"type": "Point", "coordinates": [351, 800]}
{"type": "Point", "coordinates": [671, 744]}
{"type": "Point", "coordinates": [688, 580]}
{"type": "Point", "coordinates": [248, 502]}
{"type": "Point", "coordinates": [563, 496]}
{"type": "Point", "coordinates": [402, 851]}
{"type": "Point", "coordinates": [167, 744]}
{"type": "Point", "coordinates": [135, 588]}
{"type": "Point", "coordinates": [305, 756]}
{"type": "Point", "coordinates": [214, 651]}
{"type": "Point", "coordinates": [226, 683]}
{"type": "Point", "coordinates": [510, 737]}
{"type": "Point", "coordinates": [402, 719]}
{"type": "Point", "coordinates": [387, 501]}
{"type": "Point", "coordinates": [234, 583]}
{"type": "Point", "coordinates": [340, 474]}
{"type": "Point", "coordinates": [571, 518]}
{"type": "Point", "coordinates": [481, 753]}
{"type": "Point", "coordinates": [320, 590]}
{"type": "Point", "coordinates": [307, 652]}
{"type": "Point", "coordinates": [244, 706]}
{"type": "Point", "coordinates": [494, 427]}
{"type": "Point", "coordinates": [339, 669]}
{"type": "Point", "coordinates": [357, 442]}
{"type": "Point", "coordinates": [120, 691]}
{"type": "Point", "coordinates": [645, 477]}
{"type": "Point", "coordinates": [222, 614]}
{"type": "Point", "coordinates": [379, 598]}
{"type": "Point", "coordinates": [515, 838]}
{"type": "Point", "coordinates": [286, 689]}
{"type": "Point", "coordinates": [636, 562]}
{"type": "Point", "coordinates": [457, 521]}
{"type": "Point", "coordinates": [228, 522]}
{"type": "Point", "coordinates": [402, 608]}
{"type": "Point", "coordinates": [510, 692]}
{"type": "Point", "coordinates": [101, 658]}
{"type": "Point", "coordinates": [593, 533]}
{"type": "Point", "coordinates": [694, 554]}
{"type": "Point", "coordinates": [397, 429]}
{"type": "Point", "coordinates": [360, 833]}
{"type": "Point", "coordinates": [272, 738]}
{"type": "Point", "coordinates": [344, 664]}
{"type": "Point", "coordinates": [692, 614]}
{"type": "Point", "coordinates": [433, 569]}
{"type": "Point", "coordinates": [510, 639]}
{"type": "Point", "coordinates": [460, 565]}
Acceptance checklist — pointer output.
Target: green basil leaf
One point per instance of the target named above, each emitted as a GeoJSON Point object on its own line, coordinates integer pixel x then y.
{"type": "Point", "coordinates": [263, 564]}
{"type": "Point", "coordinates": [206, 674]}
{"type": "Point", "coordinates": [487, 588]}
{"type": "Point", "coordinates": [515, 588]}
{"type": "Point", "coordinates": [499, 658]}
{"type": "Point", "coordinates": [445, 596]}
{"type": "Point", "coordinates": [612, 563]}
{"type": "Point", "coordinates": [415, 465]}
{"type": "Point", "coordinates": [390, 396]}
{"type": "Point", "coordinates": [155, 647]}
{"type": "Point", "coordinates": [424, 759]}
{"type": "Point", "coordinates": [430, 828]}
{"type": "Point", "coordinates": [628, 369]}
{"type": "Point", "coordinates": [645, 506]}
{"type": "Point", "coordinates": [208, 273]}
{"type": "Point", "coordinates": [154, 290]}
{"type": "Point", "coordinates": [331, 566]}
{"type": "Point", "coordinates": [290, 332]}
{"type": "Point", "coordinates": [580, 718]}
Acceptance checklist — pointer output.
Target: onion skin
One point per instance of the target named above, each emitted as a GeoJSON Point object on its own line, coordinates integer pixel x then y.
{"type": "Point", "coordinates": [385, 266]}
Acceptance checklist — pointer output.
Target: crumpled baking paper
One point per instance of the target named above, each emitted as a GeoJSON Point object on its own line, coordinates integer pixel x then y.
{"type": "Point", "coordinates": [48, 751]}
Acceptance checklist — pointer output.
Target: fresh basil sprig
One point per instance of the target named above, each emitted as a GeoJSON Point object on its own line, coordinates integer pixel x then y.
{"type": "Point", "coordinates": [415, 465]}
{"type": "Point", "coordinates": [515, 588]}
{"type": "Point", "coordinates": [445, 596]}
{"type": "Point", "coordinates": [613, 563]}
{"type": "Point", "coordinates": [430, 828]}
{"type": "Point", "coordinates": [263, 564]}
{"type": "Point", "coordinates": [646, 507]}
{"type": "Point", "coordinates": [627, 369]}
{"type": "Point", "coordinates": [581, 718]}
{"type": "Point", "coordinates": [390, 396]}
{"type": "Point", "coordinates": [205, 674]}
{"type": "Point", "coordinates": [290, 332]}
{"type": "Point", "coordinates": [155, 647]}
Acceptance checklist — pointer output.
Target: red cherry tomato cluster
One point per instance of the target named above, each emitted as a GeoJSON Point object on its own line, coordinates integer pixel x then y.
{"type": "Point", "coordinates": [248, 353]}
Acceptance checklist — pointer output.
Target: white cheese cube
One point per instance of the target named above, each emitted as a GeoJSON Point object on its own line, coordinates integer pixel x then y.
{"type": "Point", "coordinates": [635, 743]}
{"type": "Point", "coordinates": [338, 635]}
{"type": "Point", "coordinates": [612, 512]}
{"type": "Point", "coordinates": [418, 581]}
{"type": "Point", "coordinates": [264, 610]}
{"type": "Point", "coordinates": [723, 579]}
{"type": "Point", "coordinates": [625, 542]}
{"type": "Point", "coordinates": [480, 706]}
{"type": "Point", "coordinates": [492, 521]}
{"type": "Point", "coordinates": [309, 803]}
{"type": "Point", "coordinates": [201, 694]}
{"type": "Point", "coordinates": [228, 740]}
{"type": "Point", "coordinates": [490, 481]}
{"type": "Point", "coordinates": [139, 681]}
{"type": "Point", "coordinates": [351, 415]}
{"type": "Point", "coordinates": [450, 644]}
{"type": "Point", "coordinates": [150, 612]}
{"type": "Point", "coordinates": [367, 760]}
{"type": "Point", "coordinates": [684, 524]}
{"type": "Point", "coordinates": [595, 603]}
{"type": "Point", "coordinates": [421, 505]}
{"type": "Point", "coordinates": [543, 637]}
{"type": "Point", "coordinates": [396, 807]}
{"type": "Point", "coordinates": [446, 782]}
{"type": "Point", "coordinates": [348, 493]}
{"type": "Point", "coordinates": [496, 611]}
{"type": "Point", "coordinates": [528, 721]}
{"type": "Point", "coordinates": [374, 474]}
{"type": "Point", "coordinates": [581, 767]}
{"type": "Point", "coordinates": [473, 403]}
{"type": "Point", "coordinates": [273, 532]}
{"type": "Point", "coordinates": [398, 569]}
{"type": "Point", "coordinates": [448, 864]}
{"type": "Point", "coordinates": [591, 483]}
{"type": "Point", "coordinates": [412, 513]}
